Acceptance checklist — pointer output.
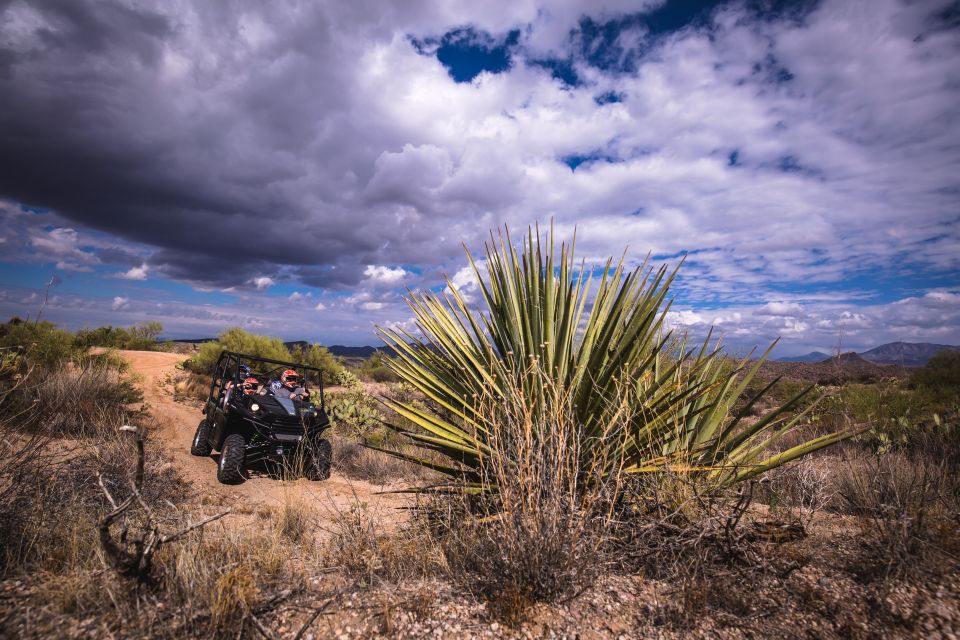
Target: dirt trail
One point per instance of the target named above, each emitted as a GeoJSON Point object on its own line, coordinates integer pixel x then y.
{"type": "Point", "coordinates": [174, 429]}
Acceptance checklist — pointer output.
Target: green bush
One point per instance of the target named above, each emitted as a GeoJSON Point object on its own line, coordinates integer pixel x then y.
{"type": "Point", "coordinates": [940, 377]}
{"type": "Point", "coordinates": [139, 337]}
{"type": "Point", "coordinates": [321, 358]}
{"type": "Point", "coordinates": [42, 343]}
{"type": "Point", "coordinates": [240, 341]}
{"type": "Point", "coordinates": [376, 368]}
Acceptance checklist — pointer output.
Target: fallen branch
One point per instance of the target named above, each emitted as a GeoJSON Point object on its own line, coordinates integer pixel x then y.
{"type": "Point", "coordinates": [137, 562]}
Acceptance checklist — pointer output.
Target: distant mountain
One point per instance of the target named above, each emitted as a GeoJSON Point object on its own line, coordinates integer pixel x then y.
{"type": "Point", "coordinates": [847, 358]}
{"type": "Point", "coordinates": [813, 356]}
{"type": "Point", "coordinates": [908, 353]}
{"type": "Point", "coordinates": [359, 352]}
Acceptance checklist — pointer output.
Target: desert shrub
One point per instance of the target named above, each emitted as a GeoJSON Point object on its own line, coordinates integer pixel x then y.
{"type": "Point", "coordinates": [86, 401]}
{"type": "Point", "coordinates": [42, 343]}
{"type": "Point", "coordinates": [354, 460]}
{"type": "Point", "coordinates": [538, 534]}
{"type": "Point", "coordinates": [320, 357]}
{"type": "Point", "coordinates": [615, 362]}
{"type": "Point", "coordinates": [940, 378]}
{"type": "Point", "coordinates": [141, 337]}
{"type": "Point", "coordinates": [907, 507]}
{"type": "Point", "coordinates": [366, 554]}
{"type": "Point", "coordinates": [375, 368]}
{"type": "Point", "coordinates": [240, 341]}
{"type": "Point", "coordinates": [802, 489]}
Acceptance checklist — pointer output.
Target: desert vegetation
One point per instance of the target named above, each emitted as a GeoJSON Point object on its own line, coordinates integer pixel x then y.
{"type": "Point", "coordinates": [567, 466]}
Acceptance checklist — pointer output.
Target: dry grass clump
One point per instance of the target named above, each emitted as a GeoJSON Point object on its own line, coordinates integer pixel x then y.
{"type": "Point", "coordinates": [192, 388]}
{"type": "Point", "coordinates": [908, 511]}
{"type": "Point", "coordinates": [366, 554]}
{"type": "Point", "coordinates": [354, 460]}
{"type": "Point", "coordinates": [295, 521]}
{"type": "Point", "coordinates": [538, 530]}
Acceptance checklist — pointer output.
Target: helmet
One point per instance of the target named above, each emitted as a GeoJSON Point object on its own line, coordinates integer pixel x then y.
{"type": "Point", "coordinates": [244, 370]}
{"type": "Point", "coordinates": [250, 385]}
{"type": "Point", "coordinates": [289, 376]}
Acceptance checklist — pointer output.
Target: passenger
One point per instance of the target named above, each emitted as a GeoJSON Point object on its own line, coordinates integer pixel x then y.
{"type": "Point", "coordinates": [243, 372]}
{"type": "Point", "coordinates": [250, 386]}
{"type": "Point", "coordinates": [288, 386]}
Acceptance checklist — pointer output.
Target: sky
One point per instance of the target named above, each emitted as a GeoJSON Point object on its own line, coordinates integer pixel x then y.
{"type": "Point", "coordinates": [295, 168]}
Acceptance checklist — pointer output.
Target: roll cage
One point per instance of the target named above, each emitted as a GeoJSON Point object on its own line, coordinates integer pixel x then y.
{"type": "Point", "coordinates": [263, 369]}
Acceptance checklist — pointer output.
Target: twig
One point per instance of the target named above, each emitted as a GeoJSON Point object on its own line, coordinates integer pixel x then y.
{"type": "Point", "coordinates": [205, 521]}
{"type": "Point", "coordinates": [257, 624]}
{"type": "Point", "coordinates": [316, 614]}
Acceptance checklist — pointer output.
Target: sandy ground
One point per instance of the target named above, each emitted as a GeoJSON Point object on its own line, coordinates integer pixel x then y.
{"type": "Point", "coordinates": [174, 429]}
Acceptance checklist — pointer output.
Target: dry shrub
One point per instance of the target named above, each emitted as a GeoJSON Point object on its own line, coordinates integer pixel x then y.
{"type": "Point", "coordinates": [234, 594]}
{"type": "Point", "coordinates": [357, 461]}
{"type": "Point", "coordinates": [908, 508]}
{"type": "Point", "coordinates": [295, 519]}
{"type": "Point", "coordinates": [538, 531]}
{"type": "Point", "coordinates": [703, 542]}
{"type": "Point", "coordinates": [802, 489]}
{"type": "Point", "coordinates": [366, 554]}
{"type": "Point", "coordinates": [72, 402]}
{"type": "Point", "coordinates": [56, 436]}
{"type": "Point", "coordinates": [192, 388]}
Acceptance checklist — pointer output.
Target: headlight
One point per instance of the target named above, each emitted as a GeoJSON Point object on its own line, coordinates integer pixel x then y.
{"type": "Point", "coordinates": [254, 407]}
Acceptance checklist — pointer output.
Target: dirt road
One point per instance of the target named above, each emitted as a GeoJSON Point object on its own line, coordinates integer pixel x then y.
{"type": "Point", "coordinates": [174, 427]}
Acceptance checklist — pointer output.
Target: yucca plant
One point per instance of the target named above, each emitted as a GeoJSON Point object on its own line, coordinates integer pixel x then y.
{"type": "Point", "coordinates": [641, 402]}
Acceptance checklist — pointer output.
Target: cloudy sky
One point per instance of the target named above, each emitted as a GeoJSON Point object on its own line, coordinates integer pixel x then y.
{"type": "Point", "coordinates": [294, 167]}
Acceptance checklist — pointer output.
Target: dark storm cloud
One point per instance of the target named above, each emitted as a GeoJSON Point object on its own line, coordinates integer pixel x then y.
{"type": "Point", "coordinates": [241, 144]}
{"type": "Point", "coordinates": [192, 132]}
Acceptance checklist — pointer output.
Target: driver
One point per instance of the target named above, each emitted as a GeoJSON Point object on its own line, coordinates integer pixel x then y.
{"type": "Point", "coordinates": [289, 385]}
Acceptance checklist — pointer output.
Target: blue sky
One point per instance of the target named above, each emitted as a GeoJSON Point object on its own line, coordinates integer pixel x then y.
{"type": "Point", "coordinates": [295, 168]}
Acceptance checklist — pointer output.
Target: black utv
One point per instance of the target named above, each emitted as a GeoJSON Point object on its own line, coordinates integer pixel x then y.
{"type": "Point", "coordinates": [249, 421]}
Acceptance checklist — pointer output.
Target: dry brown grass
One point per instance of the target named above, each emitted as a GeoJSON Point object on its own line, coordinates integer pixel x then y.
{"type": "Point", "coordinates": [366, 554]}
{"type": "Point", "coordinates": [907, 504]}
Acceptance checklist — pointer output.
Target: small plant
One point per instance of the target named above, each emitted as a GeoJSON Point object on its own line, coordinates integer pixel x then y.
{"type": "Point", "coordinates": [355, 410]}
{"type": "Point", "coordinates": [347, 379]}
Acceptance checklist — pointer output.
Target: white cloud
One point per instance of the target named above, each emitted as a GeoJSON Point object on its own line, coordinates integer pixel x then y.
{"type": "Point", "coordinates": [320, 307]}
{"type": "Point", "coordinates": [120, 303]}
{"type": "Point", "coordinates": [136, 273]}
{"type": "Point", "coordinates": [296, 296]}
{"type": "Point", "coordinates": [262, 282]}
{"type": "Point", "coordinates": [781, 308]}
{"type": "Point", "coordinates": [384, 275]}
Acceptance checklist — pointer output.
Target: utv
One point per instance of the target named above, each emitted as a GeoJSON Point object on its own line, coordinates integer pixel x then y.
{"type": "Point", "coordinates": [253, 425]}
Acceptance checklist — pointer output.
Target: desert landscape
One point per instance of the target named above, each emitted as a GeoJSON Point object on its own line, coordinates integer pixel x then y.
{"type": "Point", "coordinates": [713, 497]}
{"type": "Point", "coordinates": [447, 319]}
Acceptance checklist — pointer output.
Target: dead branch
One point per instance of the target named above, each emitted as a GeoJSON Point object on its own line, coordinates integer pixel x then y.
{"type": "Point", "coordinates": [134, 557]}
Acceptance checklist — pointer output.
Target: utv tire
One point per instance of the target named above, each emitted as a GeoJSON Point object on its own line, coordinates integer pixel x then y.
{"type": "Point", "coordinates": [230, 468]}
{"type": "Point", "coordinates": [318, 462]}
{"type": "Point", "coordinates": [201, 445]}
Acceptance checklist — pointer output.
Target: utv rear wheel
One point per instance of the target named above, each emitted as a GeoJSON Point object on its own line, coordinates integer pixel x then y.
{"type": "Point", "coordinates": [230, 468]}
{"type": "Point", "coordinates": [201, 444]}
{"type": "Point", "coordinates": [318, 462]}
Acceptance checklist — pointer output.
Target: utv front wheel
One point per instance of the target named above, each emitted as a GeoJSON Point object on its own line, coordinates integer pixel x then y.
{"type": "Point", "coordinates": [230, 468]}
{"type": "Point", "coordinates": [318, 462]}
{"type": "Point", "coordinates": [201, 444]}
